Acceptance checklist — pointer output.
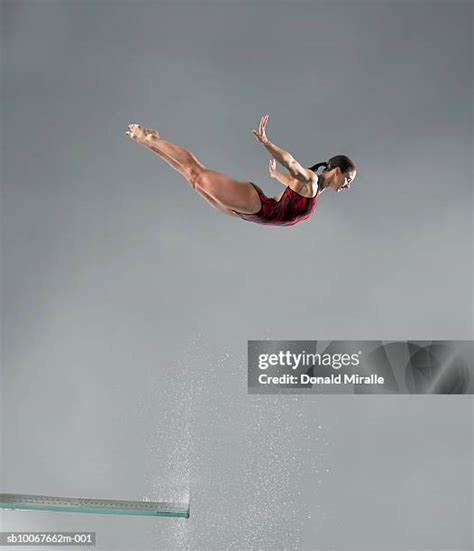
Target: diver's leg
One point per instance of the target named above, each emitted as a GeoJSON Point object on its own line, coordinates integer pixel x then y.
{"type": "Point", "coordinates": [220, 191]}
{"type": "Point", "coordinates": [230, 194]}
{"type": "Point", "coordinates": [215, 204]}
{"type": "Point", "coordinates": [177, 157]}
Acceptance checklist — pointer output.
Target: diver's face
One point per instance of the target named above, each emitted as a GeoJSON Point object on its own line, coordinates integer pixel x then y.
{"type": "Point", "coordinates": [343, 180]}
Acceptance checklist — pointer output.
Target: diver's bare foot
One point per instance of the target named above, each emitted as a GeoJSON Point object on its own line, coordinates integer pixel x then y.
{"type": "Point", "coordinates": [140, 134]}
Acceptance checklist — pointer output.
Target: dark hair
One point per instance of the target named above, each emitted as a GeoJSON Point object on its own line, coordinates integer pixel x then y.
{"type": "Point", "coordinates": [342, 161]}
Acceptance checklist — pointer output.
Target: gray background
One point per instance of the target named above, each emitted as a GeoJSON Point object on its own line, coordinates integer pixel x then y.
{"type": "Point", "coordinates": [127, 301]}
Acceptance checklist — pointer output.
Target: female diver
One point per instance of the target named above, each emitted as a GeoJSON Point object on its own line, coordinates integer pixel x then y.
{"type": "Point", "coordinates": [245, 199]}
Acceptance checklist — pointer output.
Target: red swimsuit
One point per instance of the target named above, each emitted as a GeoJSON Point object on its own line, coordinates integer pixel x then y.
{"type": "Point", "coordinates": [290, 209]}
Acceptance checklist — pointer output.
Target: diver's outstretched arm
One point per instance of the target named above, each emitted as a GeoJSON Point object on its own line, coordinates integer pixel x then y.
{"type": "Point", "coordinates": [277, 175]}
{"type": "Point", "coordinates": [286, 159]}
{"type": "Point", "coordinates": [283, 157]}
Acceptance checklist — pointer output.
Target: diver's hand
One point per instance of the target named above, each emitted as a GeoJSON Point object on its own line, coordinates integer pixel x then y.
{"type": "Point", "coordinates": [272, 168]}
{"type": "Point", "coordinates": [260, 136]}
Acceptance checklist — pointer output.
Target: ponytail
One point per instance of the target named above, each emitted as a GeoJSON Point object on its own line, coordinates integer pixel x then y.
{"type": "Point", "coordinates": [315, 167]}
{"type": "Point", "coordinates": [341, 161]}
